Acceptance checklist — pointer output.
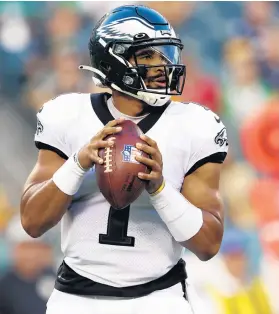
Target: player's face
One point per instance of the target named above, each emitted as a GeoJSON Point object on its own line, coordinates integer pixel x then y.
{"type": "Point", "coordinates": [156, 57]}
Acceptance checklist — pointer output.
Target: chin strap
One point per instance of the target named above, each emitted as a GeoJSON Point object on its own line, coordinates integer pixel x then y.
{"type": "Point", "coordinates": [155, 100]}
{"type": "Point", "coordinates": [88, 68]}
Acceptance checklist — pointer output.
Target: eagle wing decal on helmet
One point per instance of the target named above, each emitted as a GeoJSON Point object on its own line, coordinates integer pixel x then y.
{"type": "Point", "coordinates": [125, 28]}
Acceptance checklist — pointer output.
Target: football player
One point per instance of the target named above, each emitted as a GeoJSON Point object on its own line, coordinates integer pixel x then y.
{"type": "Point", "coordinates": [128, 261]}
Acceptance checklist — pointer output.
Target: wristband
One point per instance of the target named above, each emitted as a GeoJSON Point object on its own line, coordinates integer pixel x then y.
{"type": "Point", "coordinates": [69, 176]}
{"type": "Point", "coordinates": [183, 219]}
{"type": "Point", "coordinates": [159, 190]}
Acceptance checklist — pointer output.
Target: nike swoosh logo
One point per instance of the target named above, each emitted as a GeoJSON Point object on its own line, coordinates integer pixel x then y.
{"type": "Point", "coordinates": [218, 120]}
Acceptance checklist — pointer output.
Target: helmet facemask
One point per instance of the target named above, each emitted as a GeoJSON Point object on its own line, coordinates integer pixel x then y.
{"type": "Point", "coordinates": [152, 67]}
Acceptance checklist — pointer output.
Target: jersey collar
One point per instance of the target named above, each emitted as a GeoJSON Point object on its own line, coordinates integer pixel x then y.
{"type": "Point", "coordinates": [99, 104]}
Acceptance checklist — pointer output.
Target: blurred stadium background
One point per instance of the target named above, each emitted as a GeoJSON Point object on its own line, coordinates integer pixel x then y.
{"type": "Point", "coordinates": [232, 57]}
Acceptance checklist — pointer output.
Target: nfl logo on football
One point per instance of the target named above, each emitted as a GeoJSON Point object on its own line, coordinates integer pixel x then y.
{"type": "Point", "coordinates": [129, 153]}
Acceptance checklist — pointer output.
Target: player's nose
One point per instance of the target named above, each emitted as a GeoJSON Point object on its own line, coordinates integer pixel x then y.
{"type": "Point", "coordinates": [158, 60]}
{"type": "Point", "coordinates": [158, 66]}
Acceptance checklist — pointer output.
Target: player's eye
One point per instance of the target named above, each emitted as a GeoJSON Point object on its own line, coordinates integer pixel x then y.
{"type": "Point", "coordinates": [145, 57]}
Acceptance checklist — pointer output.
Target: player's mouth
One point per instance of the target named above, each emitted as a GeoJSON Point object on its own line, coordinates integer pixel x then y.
{"type": "Point", "coordinates": [158, 82]}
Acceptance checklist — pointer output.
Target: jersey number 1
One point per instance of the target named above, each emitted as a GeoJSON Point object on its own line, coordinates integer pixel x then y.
{"type": "Point", "coordinates": [117, 228]}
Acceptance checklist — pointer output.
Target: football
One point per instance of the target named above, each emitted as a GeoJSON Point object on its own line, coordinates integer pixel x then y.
{"type": "Point", "coordinates": [118, 177]}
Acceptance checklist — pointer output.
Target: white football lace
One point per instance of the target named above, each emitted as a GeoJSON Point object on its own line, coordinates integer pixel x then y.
{"type": "Point", "coordinates": [108, 160]}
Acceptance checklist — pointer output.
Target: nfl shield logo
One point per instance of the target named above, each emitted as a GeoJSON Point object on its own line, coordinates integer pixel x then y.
{"type": "Point", "coordinates": [129, 153]}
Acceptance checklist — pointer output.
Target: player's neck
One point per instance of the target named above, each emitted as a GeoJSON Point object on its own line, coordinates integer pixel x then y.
{"type": "Point", "coordinates": [129, 105]}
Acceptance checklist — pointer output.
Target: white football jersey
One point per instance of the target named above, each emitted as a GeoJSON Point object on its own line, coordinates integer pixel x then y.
{"type": "Point", "coordinates": [133, 246]}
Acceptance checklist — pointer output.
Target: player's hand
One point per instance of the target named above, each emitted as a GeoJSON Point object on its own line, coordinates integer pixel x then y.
{"type": "Point", "coordinates": [88, 155]}
{"type": "Point", "coordinates": [155, 163]}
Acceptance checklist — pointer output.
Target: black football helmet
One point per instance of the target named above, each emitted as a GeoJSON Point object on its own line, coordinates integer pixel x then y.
{"type": "Point", "coordinates": [116, 39]}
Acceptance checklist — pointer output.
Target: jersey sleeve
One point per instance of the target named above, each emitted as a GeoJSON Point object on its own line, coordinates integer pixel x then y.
{"type": "Point", "coordinates": [52, 125]}
{"type": "Point", "coordinates": [209, 142]}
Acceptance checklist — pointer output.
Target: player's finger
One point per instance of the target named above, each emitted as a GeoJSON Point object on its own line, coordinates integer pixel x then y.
{"type": "Point", "coordinates": [147, 149]}
{"type": "Point", "coordinates": [115, 122]}
{"type": "Point", "coordinates": [102, 144]}
{"type": "Point", "coordinates": [96, 158]}
{"type": "Point", "coordinates": [109, 130]}
{"type": "Point", "coordinates": [148, 162]}
{"type": "Point", "coordinates": [149, 176]}
{"type": "Point", "coordinates": [148, 140]}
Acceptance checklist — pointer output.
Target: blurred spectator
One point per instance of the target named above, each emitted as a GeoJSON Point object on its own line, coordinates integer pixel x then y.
{"type": "Point", "coordinates": [98, 9]}
{"type": "Point", "coordinates": [236, 182]}
{"type": "Point", "coordinates": [63, 77]}
{"type": "Point", "coordinates": [238, 290]}
{"type": "Point", "coordinates": [259, 135]}
{"type": "Point", "coordinates": [60, 32]}
{"type": "Point", "coordinates": [269, 57]}
{"type": "Point", "coordinates": [226, 283]}
{"type": "Point", "coordinates": [244, 90]}
{"type": "Point", "coordinates": [13, 53]}
{"type": "Point", "coordinates": [199, 87]}
{"type": "Point", "coordinates": [256, 15]}
{"type": "Point", "coordinates": [177, 13]}
{"type": "Point", "coordinates": [6, 212]}
{"type": "Point", "coordinates": [66, 45]}
{"type": "Point", "coordinates": [270, 271]}
{"type": "Point", "coordinates": [265, 199]}
{"type": "Point", "coordinates": [27, 286]}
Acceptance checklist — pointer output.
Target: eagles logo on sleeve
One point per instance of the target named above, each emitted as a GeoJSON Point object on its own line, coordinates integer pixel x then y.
{"type": "Point", "coordinates": [40, 127]}
{"type": "Point", "coordinates": [221, 138]}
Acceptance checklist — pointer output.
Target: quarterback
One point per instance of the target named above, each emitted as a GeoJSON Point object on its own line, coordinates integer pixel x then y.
{"type": "Point", "coordinates": [128, 261]}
